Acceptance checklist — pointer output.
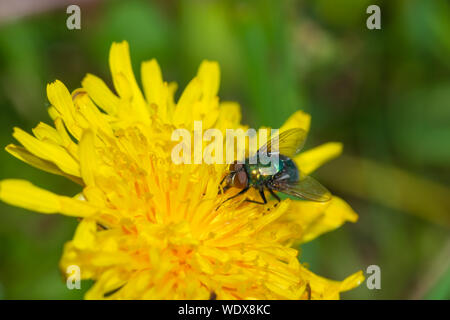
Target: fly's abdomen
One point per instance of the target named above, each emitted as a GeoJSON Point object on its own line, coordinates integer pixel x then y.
{"type": "Point", "coordinates": [290, 168]}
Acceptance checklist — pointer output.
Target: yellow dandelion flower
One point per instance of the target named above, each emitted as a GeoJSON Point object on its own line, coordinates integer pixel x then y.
{"type": "Point", "coordinates": [149, 228]}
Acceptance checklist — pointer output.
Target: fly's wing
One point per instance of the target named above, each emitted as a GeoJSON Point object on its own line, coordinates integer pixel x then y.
{"type": "Point", "coordinates": [290, 142]}
{"type": "Point", "coordinates": [306, 187]}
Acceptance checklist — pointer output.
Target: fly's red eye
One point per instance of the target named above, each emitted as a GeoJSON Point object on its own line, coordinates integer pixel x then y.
{"type": "Point", "coordinates": [236, 167]}
{"type": "Point", "coordinates": [242, 176]}
{"type": "Point", "coordinates": [240, 179]}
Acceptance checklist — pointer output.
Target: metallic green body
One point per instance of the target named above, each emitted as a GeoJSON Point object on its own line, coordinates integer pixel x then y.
{"type": "Point", "coordinates": [262, 174]}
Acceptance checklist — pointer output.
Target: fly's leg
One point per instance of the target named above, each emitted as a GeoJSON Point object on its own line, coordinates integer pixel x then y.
{"type": "Point", "coordinates": [236, 195]}
{"type": "Point", "coordinates": [261, 192]}
{"type": "Point", "coordinates": [274, 195]}
{"type": "Point", "coordinates": [223, 180]}
{"type": "Point", "coordinates": [308, 291]}
{"type": "Point", "coordinates": [224, 189]}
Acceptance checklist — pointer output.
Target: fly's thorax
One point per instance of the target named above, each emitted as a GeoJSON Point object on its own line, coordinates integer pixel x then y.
{"type": "Point", "coordinates": [260, 173]}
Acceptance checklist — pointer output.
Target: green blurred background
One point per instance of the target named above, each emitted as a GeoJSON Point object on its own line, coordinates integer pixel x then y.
{"type": "Point", "coordinates": [384, 93]}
